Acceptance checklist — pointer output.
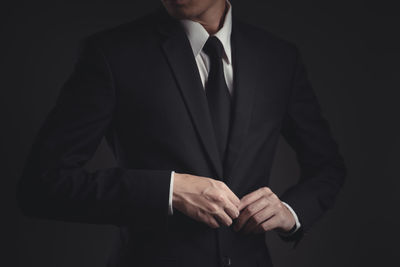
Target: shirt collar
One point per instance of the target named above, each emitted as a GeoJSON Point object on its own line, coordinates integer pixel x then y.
{"type": "Point", "coordinates": [198, 36]}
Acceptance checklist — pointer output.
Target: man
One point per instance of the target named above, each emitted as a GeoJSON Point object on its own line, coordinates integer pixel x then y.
{"type": "Point", "coordinates": [192, 102]}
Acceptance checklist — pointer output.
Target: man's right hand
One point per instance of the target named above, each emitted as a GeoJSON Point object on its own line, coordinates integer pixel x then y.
{"type": "Point", "coordinates": [204, 199]}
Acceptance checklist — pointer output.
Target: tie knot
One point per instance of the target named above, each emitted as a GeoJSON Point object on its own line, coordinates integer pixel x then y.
{"type": "Point", "coordinates": [213, 47]}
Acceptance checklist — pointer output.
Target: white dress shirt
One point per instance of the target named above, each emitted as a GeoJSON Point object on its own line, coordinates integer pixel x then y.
{"type": "Point", "coordinates": [198, 36]}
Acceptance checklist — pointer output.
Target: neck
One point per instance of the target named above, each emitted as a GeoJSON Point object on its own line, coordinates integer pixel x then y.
{"type": "Point", "coordinates": [213, 18]}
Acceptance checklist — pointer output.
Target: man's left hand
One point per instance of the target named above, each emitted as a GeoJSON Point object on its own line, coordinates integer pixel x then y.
{"type": "Point", "coordinates": [261, 211]}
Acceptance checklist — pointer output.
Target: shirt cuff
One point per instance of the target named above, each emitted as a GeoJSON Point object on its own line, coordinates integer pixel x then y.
{"type": "Point", "coordinates": [297, 226]}
{"type": "Point", "coordinates": [171, 189]}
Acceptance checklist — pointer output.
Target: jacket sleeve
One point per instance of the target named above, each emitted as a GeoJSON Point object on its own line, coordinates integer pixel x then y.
{"type": "Point", "coordinates": [54, 184]}
{"type": "Point", "coordinates": [322, 168]}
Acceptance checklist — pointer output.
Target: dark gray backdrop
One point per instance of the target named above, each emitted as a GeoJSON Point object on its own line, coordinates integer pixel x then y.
{"type": "Point", "coordinates": [351, 50]}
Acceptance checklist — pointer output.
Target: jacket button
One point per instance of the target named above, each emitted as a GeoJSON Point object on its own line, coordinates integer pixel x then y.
{"type": "Point", "coordinates": [226, 261]}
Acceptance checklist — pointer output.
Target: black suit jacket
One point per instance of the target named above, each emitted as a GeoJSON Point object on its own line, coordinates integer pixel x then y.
{"type": "Point", "coordinates": [138, 85]}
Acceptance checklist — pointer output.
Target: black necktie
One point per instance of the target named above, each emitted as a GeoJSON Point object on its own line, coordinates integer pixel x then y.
{"type": "Point", "coordinates": [219, 99]}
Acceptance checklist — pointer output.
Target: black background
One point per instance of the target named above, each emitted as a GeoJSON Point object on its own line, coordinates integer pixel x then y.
{"type": "Point", "coordinates": [352, 52]}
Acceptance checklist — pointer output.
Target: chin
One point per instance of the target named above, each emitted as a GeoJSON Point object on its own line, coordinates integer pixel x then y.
{"type": "Point", "coordinates": [180, 9]}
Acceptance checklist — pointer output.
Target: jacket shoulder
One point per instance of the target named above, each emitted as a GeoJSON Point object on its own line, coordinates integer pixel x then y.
{"type": "Point", "coordinates": [263, 37]}
{"type": "Point", "coordinates": [136, 31]}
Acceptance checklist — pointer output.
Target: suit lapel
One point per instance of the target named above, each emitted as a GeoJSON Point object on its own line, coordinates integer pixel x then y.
{"type": "Point", "coordinates": [243, 56]}
{"type": "Point", "coordinates": [178, 52]}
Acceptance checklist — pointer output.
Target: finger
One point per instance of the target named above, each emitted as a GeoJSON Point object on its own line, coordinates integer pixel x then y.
{"type": "Point", "coordinates": [212, 222]}
{"type": "Point", "coordinates": [208, 219]}
{"type": "Point", "coordinates": [268, 225]}
{"type": "Point", "coordinates": [231, 210]}
{"type": "Point", "coordinates": [223, 218]}
{"type": "Point", "coordinates": [258, 218]}
{"type": "Point", "coordinates": [249, 211]}
{"type": "Point", "coordinates": [253, 196]}
{"type": "Point", "coordinates": [231, 196]}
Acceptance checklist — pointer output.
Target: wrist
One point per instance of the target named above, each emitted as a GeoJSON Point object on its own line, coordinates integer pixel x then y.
{"type": "Point", "coordinates": [291, 222]}
{"type": "Point", "coordinates": [176, 189]}
{"type": "Point", "coordinates": [297, 224]}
